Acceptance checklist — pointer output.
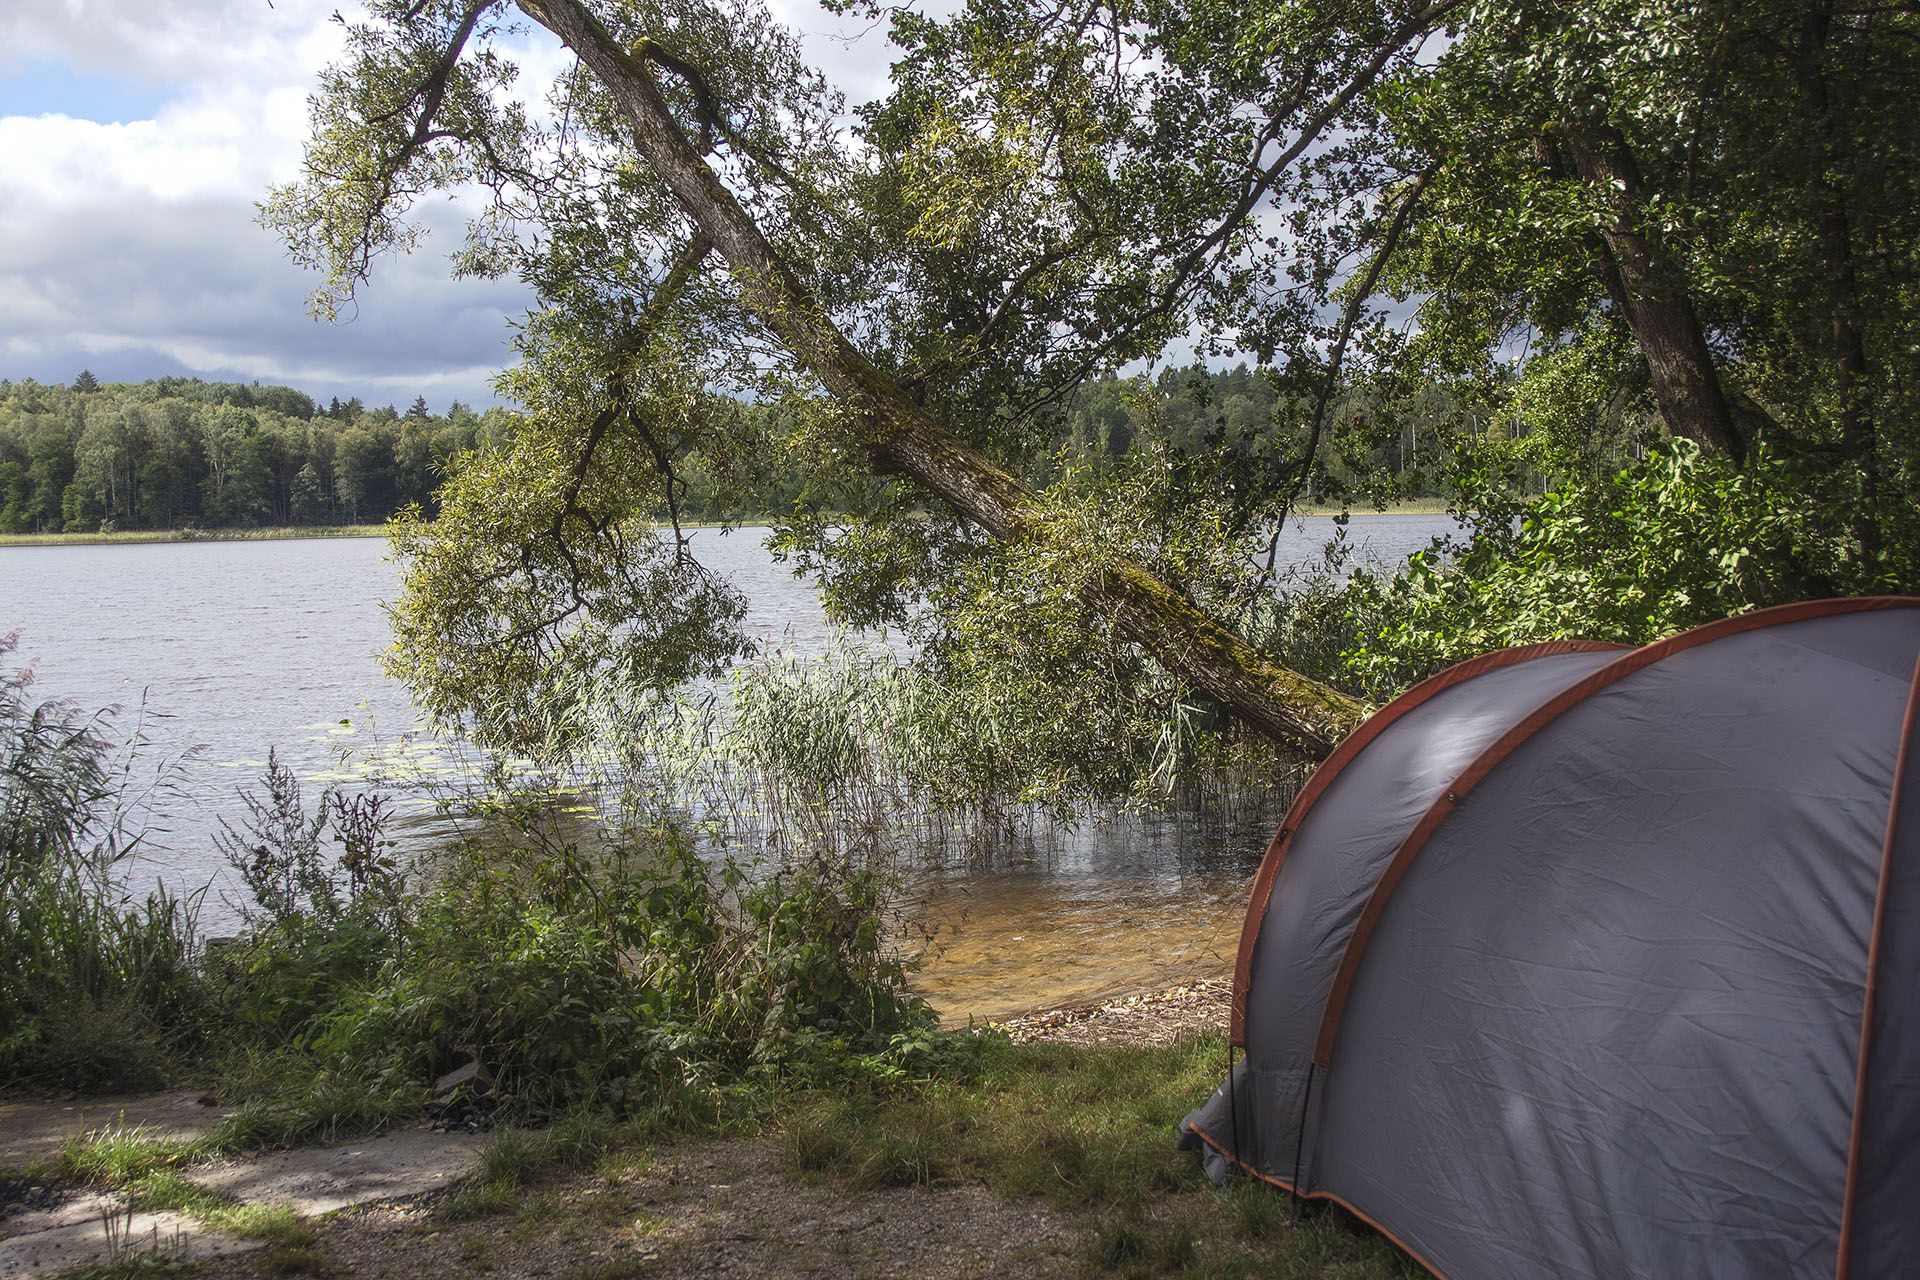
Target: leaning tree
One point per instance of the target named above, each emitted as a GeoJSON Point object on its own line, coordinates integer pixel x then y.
{"type": "Point", "coordinates": [891, 304]}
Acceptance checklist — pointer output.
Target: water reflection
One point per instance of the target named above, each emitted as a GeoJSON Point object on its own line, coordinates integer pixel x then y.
{"type": "Point", "coordinates": [1140, 901]}
{"type": "Point", "coordinates": [236, 648]}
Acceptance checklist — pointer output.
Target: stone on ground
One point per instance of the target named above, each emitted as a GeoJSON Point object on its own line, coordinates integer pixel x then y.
{"type": "Point", "coordinates": [113, 1235]}
{"type": "Point", "coordinates": [317, 1180]}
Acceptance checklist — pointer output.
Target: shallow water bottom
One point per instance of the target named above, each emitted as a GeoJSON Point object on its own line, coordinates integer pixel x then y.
{"type": "Point", "coordinates": [996, 949]}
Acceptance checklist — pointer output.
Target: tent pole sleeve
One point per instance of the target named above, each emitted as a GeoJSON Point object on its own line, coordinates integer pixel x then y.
{"type": "Point", "coordinates": [1902, 762]}
{"type": "Point", "coordinates": [1514, 738]}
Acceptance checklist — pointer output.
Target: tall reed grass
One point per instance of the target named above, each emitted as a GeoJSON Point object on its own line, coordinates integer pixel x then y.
{"type": "Point", "coordinates": [97, 987]}
{"type": "Point", "coordinates": [855, 756]}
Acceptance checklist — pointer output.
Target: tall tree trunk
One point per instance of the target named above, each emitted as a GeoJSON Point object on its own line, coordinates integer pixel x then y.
{"type": "Point", "coordinates": [1280, 704]}
{"type": "Point", "coordinates": [1647, 286]}
{"type": "Point", "coordinates": [1849, 349]}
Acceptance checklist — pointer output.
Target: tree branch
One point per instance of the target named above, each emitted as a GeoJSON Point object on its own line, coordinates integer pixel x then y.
{"type": "Point", "coordinates": [1355, 303]}
{"type": "Point", "coordinates": [1276, 703]}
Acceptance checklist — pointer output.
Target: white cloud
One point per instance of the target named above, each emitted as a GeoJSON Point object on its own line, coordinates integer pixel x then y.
{"type": "Point", "coordinates": [849, 49]}
{"type": "Point", "coordinates": [191, 285]}
{"type": "Point", "coordinates": [133, 243]}
{"type": "Point", "coordinates": [132, 247]}
{"type": "Point", "coordinates": [177, 42]}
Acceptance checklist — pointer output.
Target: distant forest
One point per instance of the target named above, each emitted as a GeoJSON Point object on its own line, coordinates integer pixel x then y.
{"type": "Point", "coordinates": [181, 453]}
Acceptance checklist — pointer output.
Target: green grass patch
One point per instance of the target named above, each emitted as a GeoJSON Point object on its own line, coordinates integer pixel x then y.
{"type": "Point", "coordinates": [1090, 1130]}
{"type": "Point", "coordinates": [138, 1267]}
{"type": "Point", "coordinates": [192, 535]}
{"type": "Point", "coordinates": [275, 533]}
{"type": "Point", "coordinates": [149, 1171]}
{"type": "Point", "coordinates": [1404, 507]}
{"type": "Point", "coordinates": [286, 1099]}
{"type": "Point", "coordinates": [517, 1159]}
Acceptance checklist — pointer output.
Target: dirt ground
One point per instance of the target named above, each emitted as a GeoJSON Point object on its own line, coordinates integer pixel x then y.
{"type": "Point", "coordinates": [726, 1208]}
{"type": "Point", "coordinates": [720, 1209]}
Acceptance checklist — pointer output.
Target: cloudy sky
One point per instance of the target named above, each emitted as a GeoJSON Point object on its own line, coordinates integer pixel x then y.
{"type": "Point", "coordinates": [135, 138]}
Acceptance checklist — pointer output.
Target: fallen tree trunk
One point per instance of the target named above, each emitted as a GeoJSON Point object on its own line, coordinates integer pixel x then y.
{"type": "Point", "coordinates": [1282, 705]}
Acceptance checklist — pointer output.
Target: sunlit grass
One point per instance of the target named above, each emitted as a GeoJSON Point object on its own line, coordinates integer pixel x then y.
{"type": "Point", "coordinates": [149, 1170]}
{"type": "Point", "coordinates": [192, 535]}
{"type": "Point", "coordinates": [1089, 1130]}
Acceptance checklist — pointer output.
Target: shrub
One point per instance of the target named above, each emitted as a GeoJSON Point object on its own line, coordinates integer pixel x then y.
{"type": "Point", "coordinates": [623, 979]}
{"type": "Point", "coordinates": [318, 924]}
{"type": "Point", "coordinates": [1675, 540]}
{"type": "Point", "coordinates": [627, 979]}
{"type": "Point", "coordinates": [96, 989]}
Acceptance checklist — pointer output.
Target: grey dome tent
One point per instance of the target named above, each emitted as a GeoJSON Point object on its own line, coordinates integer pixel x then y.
{"type": "Point", "coordinates": [1580, 960]}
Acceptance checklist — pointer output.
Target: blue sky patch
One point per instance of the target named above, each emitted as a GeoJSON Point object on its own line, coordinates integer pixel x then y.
{"type": "Point", "coordinates": [55, 88]}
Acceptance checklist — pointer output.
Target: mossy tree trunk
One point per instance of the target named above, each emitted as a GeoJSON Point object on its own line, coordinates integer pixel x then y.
{"type": "Point", "coordinates": [1283, 705]}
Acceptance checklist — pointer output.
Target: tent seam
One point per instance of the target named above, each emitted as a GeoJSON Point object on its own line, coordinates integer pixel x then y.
{"type": "Point", "coordinates": [1349, 750]}
{"type": "Point", "coordinates": [1844, 1258]}
{"type": "Point", "coordinates": [1482, 766]}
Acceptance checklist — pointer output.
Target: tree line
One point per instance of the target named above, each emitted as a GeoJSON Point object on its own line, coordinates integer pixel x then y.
{"type": "Point", "coordinates": [178, 453]}
{"type": "Point", "coordinates": [182, 453]}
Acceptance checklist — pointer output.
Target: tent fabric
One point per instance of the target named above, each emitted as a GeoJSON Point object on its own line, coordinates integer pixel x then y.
{"type": "Point", "coordinates": [1564, 969]}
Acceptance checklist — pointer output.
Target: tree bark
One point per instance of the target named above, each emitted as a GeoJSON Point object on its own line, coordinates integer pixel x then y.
{"type": "Point", "coordinates": [1282, 705]}
{"type": "Point", "coordinates": [1647, 287]}
{"type": "Point", "coordinates": [1852, 380]}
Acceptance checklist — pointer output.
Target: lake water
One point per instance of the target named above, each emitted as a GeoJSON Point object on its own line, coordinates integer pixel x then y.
{"type": "Point", "coordinates": [219, 651]}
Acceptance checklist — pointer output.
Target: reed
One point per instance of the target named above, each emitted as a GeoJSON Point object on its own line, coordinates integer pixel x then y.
{"type": "Point", "coordinates": [98, 988]}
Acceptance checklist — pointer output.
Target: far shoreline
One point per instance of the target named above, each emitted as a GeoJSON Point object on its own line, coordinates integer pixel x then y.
{"type": "Point", "coordinates": [280, 533]}
{"type": "Point", "coordinates": [131, 536]}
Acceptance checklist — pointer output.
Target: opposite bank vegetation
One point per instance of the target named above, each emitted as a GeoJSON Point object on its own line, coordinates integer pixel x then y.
{"type": "Point", "coordinates": [281, 533]}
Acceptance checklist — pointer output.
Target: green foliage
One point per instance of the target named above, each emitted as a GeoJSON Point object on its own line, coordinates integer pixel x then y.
{"type": "Point", "coordinates": [321, 918]}
{"type": "Point", "coordinates": [1546, 234]}
{"type": "Point", "coordinates": [1676, 540]}
{"type": "Point", "coordinates": [1752, 153]}
{"type": "Point", "coordinates": [628, 978]}
{"type": "Point", "coordinates": [539, 584]}
{"type": "Point", "coordinates": [178, 453]}
{"type": "Point", "coordinates": [633, 978]}
{"type": "Point", "coordinates": [96, 990]}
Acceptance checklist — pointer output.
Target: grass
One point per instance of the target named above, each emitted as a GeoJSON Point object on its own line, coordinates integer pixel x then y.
{"type": "Point", "coordinates": [284, 1100]}
{"type": "Point", "coordinates": [275, 533]}
{"type": "Point", "coordinates": [136, 1267]}
{"type": "Point", "coordinates": [148, 1171]}
{"type": "Point", "coordinates": [517, 1159]}
{"type": "Point", "coordinates": [1086, 1130]}
{"type": "Point", "coordinates": [1089, 1130]}
{"type": "Point", "coordinates": [1404, 507]}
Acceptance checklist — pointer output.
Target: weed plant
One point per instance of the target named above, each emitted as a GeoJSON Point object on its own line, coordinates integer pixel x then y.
{"type": "Point", "coordinates": [96, 989]}
{"type": "Point", "coordinates": [851, 756]}
{"type": "Point", "coordinates": [635, 977]}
